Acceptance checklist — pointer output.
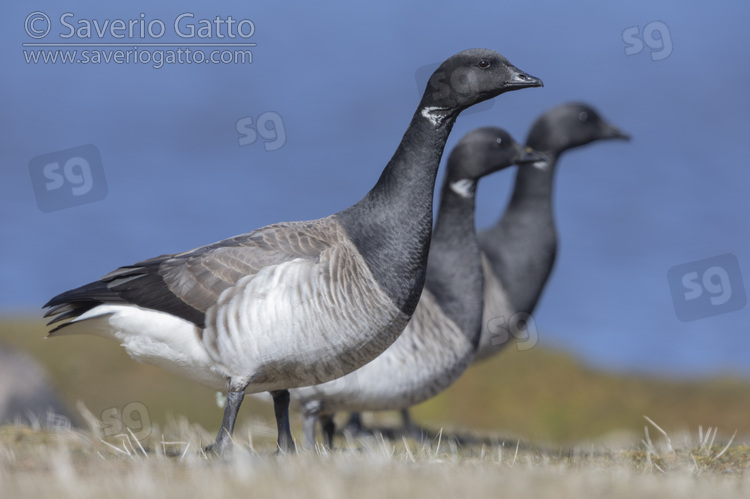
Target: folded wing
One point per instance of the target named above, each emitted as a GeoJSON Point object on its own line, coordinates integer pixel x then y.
{"type": "Point", "coordinates": [188, 284]}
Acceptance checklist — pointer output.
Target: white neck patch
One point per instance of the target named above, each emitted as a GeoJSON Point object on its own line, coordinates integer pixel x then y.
{"type": "Point", "coordinates": [463, 187]}
{"type": "Point", "coordinates": [430, 113]}
{"type": "Point", "coordinates": [541, 165]}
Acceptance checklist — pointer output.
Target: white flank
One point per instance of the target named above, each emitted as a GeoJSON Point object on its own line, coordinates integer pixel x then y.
{"type": "Point", "coordinates": [152, 337]}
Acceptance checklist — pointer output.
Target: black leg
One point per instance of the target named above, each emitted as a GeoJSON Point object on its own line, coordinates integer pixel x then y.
{"type": "Point", "coordinates": [281, 410]}
{"type": "Point", "coordinates": [329, 428]}
{"type": "Point", "coordinates": [354, 425]}
{"type": "Point", "coordinates": [232, 407]}
{"type": "Point", "coordinates": [409, 428]}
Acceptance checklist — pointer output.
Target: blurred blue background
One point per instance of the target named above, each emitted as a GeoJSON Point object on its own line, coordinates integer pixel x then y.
{"type": "Point", "coordinates": [339, 81]}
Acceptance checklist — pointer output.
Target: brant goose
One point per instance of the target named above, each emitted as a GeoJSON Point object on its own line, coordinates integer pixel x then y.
{"type": "Point", "coordinates": [519, 250]}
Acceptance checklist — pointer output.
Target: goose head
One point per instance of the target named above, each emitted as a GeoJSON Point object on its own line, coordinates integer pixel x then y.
{"type": "Point", "coordinates": [486, 150]}
{"type": "Point", "coordinates": [571, 125]}
{"type": "Point", "coordinates": [468, 78]}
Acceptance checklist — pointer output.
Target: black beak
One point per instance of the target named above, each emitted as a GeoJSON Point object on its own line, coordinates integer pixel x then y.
{"type": "Point", "coordinates": [529, 156]}
{"type": "Point", "coordinates": [612, 132]}
{"type": "Point", "coordinates": [520, 79]}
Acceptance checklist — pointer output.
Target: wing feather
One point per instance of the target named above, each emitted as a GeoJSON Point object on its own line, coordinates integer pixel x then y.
{"type": "Point", "coordinates": [187, 284]}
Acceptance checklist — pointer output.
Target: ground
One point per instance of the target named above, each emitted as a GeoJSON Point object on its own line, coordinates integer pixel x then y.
{"type": "Point", "coordinates": [65, 463]}
{"type": "Point", "coordinates": [532, 423]}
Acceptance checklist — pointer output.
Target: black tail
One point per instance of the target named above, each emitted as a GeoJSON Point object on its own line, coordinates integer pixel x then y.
{"type": "Point", "coordinates": [76, 302]}
{"type": "Point", "coordinates": [139, 284]}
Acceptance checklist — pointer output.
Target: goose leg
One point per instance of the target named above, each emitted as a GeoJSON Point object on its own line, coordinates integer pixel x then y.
{"type": "Point", "coordinates": [309, 419]}
{"type": "Point", "coordinates": [224, 438]}
{"type": "Point", "coordinates": [354, 425]}
{"type": "Point", "coordinates": [281, 410]}
{"type": "Point", "coordinates": [329, 428]}
{"type": "Point", "coordinates": [409, 428]}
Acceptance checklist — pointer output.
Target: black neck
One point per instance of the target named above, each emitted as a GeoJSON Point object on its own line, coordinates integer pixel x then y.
{"type": "Point", "coordinates": [522, 245]}
{"type": "Point", "coordinates": [454, 269]}
{"type": "Point", "coordinates": [392, 224]}
{"type": "Point", "coordinates": [532, 190]}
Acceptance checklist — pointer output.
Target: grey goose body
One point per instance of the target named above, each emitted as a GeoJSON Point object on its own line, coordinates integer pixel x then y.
{"type": "Point", "coordinates": [439, 342]}
{"type": "Point", "coordinates": [519, 250]}
{"type": "Point", "coordinates": [298, 303]}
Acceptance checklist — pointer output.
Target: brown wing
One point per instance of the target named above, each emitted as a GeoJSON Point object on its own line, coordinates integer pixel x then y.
{"type": "Point", "coordinates": [188, 284]}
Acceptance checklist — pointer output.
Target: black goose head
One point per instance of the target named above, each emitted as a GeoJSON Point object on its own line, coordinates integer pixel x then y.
{"type": "Point", "coordinates": [468, 78]}
{"type": "Point", "coordinates": [486, 150]}
{"type": "Point", "coordinates": [568, 126]}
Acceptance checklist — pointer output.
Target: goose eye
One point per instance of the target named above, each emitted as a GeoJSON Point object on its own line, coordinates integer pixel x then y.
{"type": "Point", "coordinates": [583, 116]}
{"type": "Point", "coordinates": [483, 64]}
{"type": "Point", "coordinates": [499, 141]}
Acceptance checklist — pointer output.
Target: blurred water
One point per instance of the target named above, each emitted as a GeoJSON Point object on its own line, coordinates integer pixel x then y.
{"type": "Point", "coordinates": [342, 80]}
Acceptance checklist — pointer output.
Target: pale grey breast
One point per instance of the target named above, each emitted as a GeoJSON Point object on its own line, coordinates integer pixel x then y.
{"type": "Point", "coordinates": [496, 316]}
{"type": "Point", "coordinates": [428, 357]}
{"type": "Point", "coordinates": [304, 320]}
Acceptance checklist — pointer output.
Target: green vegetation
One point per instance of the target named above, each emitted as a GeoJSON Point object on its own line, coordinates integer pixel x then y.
{"type": "Point", "coordinates": [549, 396]}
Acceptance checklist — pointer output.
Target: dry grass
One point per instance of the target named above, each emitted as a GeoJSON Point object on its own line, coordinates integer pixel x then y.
{"type": "Point", "coordinates": [65, 463]}
{"type": "Point", "coordinates": [597, 443]}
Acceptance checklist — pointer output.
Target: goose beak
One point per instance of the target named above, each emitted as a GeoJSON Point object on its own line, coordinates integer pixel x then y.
{"type": "Point", "coordinates": [612, 132]}
{"type": "Point", "coordinates": [520, 79]}
{"type": "Point", "coordinates": [534, 158]}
